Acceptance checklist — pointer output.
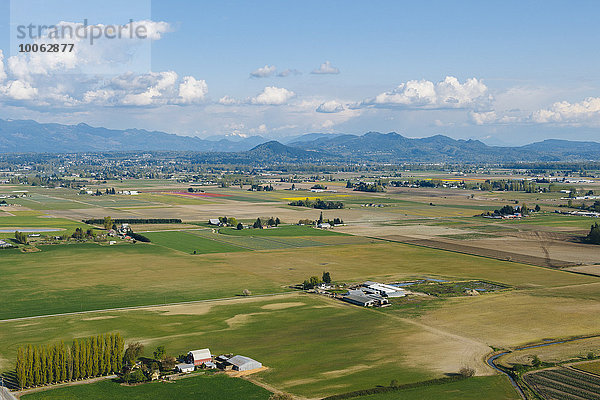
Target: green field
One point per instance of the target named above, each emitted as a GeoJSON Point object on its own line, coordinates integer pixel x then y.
{"type": "Point", "coordinates": [284, 230]}
{"type": "Point", "coordinates": [188, 243]}
{"type": "Point", "coordinates": [79, 277]}
{"type": "Point", "coordinates": [477, 388]}
{"type": "Point", "coordinates": [218, 387]}
{"type": "Point", "coordinates": [592, 367]}
{"type": "Point", "coordinates": [299, 337]}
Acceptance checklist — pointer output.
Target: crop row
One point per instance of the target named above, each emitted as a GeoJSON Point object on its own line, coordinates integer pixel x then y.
{"type": "Point", "coordinates": [542, 382]}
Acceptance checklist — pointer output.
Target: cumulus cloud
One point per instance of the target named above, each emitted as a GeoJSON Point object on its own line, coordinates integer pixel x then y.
{"type": "Point", "coordinates": [584, 111]}
{"type": "Point", "coordinates": [264, 72]}
{"type": "Point", "coordinates": [331, 106]}
{"type": "Point", "coordinates": [19, 90]}
{"type": "Point", "coordinates": [66, 78]}
{"type": "Point", "coordinates": [449, 93]}
{"type": "Point", "coordinates": [481, 118]}
{"type": "Point", "coordinates": [273, 95]}
{"type": "Point", "coordinates": [326, 68]}
{"type": "Point", "coordinates": [192, 90]}
{"type": "Point", "coordinates": [228, 101]}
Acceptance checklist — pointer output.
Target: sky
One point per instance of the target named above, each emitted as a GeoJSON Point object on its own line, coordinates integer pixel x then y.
{"type": "Point", "coordinates": [506, 73]}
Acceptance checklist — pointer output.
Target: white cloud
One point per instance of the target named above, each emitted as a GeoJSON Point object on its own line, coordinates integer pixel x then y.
{"type": "Point", "coordinates": [2, 72]}
{"type": "Point", "coordinates": [331, 106]}
{"type": "Point", "coordinates": [481, 118]}
{"type": "Point", "coordinates": [586, 111]}
{"type": "Point", "coordinates": [19, 90]}
{"type": "Point", "coordinates": [449, 93]}
{"type": "Point", "coordinates": [264, 72]}
{"type": "Point", "coordinates": [288, 72]}
{"type": "Point", "coordinates": [326, 68]}
{"type": "Point", "coordinates": [228, 101]}
{"type": "Point", "coordinates": [192, 90]}
{"type": "Point", "coordinates": [273, 95]}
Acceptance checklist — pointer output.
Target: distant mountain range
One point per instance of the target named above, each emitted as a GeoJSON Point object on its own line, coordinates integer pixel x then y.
{"type": "Point", "coordinates": [24, 136]}
{"type": "Point", "coordinates": [27, 136]}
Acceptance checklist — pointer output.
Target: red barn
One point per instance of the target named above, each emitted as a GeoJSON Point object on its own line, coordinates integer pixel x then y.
{"type": "Point", "coordinates": [199, 357]}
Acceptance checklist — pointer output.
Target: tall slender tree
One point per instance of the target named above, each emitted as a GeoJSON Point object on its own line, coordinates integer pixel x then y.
{"type": "Point", "coordinates": [37, 366]}
{"type": "Point", "coordinates": [94, 356]}
{"type": "Point", "coordinates": [21, 368]}
{"type": "Point", "coordinates": [75, 358]}
{"type": "Point", "coordinates": [90, 357]}
{"type": "Point", "coordinates": [120, 344]}
{"type": "Point", "coordinates": [107, 352]}
{"type": "Point", "coordinates": [62, 358]}
{"type": "Point", "coordinates": [44, 363]}
{"type": "Point", "coordinates": [56, 363]}
{"type": "Point", "coordinates": [100, 345]}
{"type": "Point", "coordinates": [49, 364]}
{"type": "Point", "coordinates": [29, 364]}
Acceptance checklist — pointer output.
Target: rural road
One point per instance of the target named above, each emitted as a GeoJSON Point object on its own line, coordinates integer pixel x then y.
{"type": "Point", "coordinates": [148, 306]}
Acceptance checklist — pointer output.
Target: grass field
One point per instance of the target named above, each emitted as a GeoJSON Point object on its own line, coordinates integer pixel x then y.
{"type": "Point", "coordinates": [189, 243]}
{"type": "Point", "coordinates": [285, 230]}
{"type": "Point", "coordinates": [301, 339]}
{"type": "Point", "coordinates": [592, 367]}
{"type": "Point", "coordinates": [66, 278]}
{"type": "Point", "coordinates": [484, 387]}
{"type": "Point", "coordinates": [218, 387]}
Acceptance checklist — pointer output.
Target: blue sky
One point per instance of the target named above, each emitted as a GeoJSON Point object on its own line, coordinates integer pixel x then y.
{"type": "Point", "coordinates": [506, 72]}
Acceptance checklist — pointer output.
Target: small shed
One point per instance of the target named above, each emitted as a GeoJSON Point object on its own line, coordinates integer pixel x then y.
{"type": "Point", "coordinates": [185, 368]}
{"type": "Point", "coordinates": [199, 357]}
{"type": "Point", "coordinates": [242, 363]}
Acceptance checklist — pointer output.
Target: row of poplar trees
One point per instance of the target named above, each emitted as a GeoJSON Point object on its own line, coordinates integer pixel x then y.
{"type": "Point", "coordinates": [85, 358]}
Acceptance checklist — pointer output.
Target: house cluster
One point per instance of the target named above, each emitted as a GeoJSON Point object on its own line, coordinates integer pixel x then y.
{"type": "Point", "coordinates": [4, 244]}
{"type": "Point", "coordinates": [203, 359]}
{"type": "Point", "coordinates": [372, 294]}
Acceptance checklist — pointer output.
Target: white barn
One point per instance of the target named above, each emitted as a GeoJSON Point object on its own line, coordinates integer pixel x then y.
{"type": "Point", "coordinates": [242, 363]}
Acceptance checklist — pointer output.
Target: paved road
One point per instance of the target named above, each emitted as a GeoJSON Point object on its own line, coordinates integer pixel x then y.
{"type": "Point", "coordinates": [5, 394]}
{"type": "Point", "coordinates": [149, 305]}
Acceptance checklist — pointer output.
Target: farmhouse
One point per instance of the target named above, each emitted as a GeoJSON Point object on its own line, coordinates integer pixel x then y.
{"type": "Point", "coordinates": [3, 244]}
{"type": "Point", "coordinates": [185, 368]}
{"type": "Point", "coordinates": [214, 221]}
{"type": "Point", "coordinates": [240, 363]}
{"type": "Point", "coordinates": [199, 357]}
{"type": "Point", "coordinates": [324, 225]}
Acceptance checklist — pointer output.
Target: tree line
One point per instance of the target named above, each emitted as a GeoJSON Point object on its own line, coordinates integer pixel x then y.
{"type": "Point", "coordinates": [85, 358]}
{"type": "Point", "coordinates": [318, 203]}
{"type": "Point", "coordinates": [98, 221]}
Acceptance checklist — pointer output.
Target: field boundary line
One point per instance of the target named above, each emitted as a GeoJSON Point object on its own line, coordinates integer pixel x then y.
{"type": "Point", "coordinates": [149, 306]}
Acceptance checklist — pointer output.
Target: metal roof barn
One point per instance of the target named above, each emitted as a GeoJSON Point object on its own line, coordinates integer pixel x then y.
{"type": "Point", "coordinates": [242, 363]}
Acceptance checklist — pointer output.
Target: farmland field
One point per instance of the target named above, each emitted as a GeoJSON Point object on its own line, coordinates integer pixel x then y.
{"type": "Point", "coordinates": [189, 243]}
{"type": "Point", "coordinates": [489, 388]}
{"type": "Point", "coordinates": [591, 367]}
{"type": "Point", "coordinates": [564, 384]}
{"type": "Point", "coordinates": [312, 345]}
{"type": "Point", "coordinates": [219, 387]}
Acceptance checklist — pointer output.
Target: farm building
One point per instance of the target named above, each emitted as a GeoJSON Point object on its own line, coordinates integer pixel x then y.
{"type": "Point", "coordinates": [383, 289]}
{"type": "Point", "coordinates": [214, 221]}
{"type": "Point", "coordinates": [240, 363]}
{"type": "Point", "coordinates": [185, 368]}
{"type": "Point", "coordinates": [199, 357]}
{"type": "Point", "coordinates": [363, 299]}
{"type": "Point", "coordinates": [324, 225]}
{"type": "Point", "coordinates": [4, 244]}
